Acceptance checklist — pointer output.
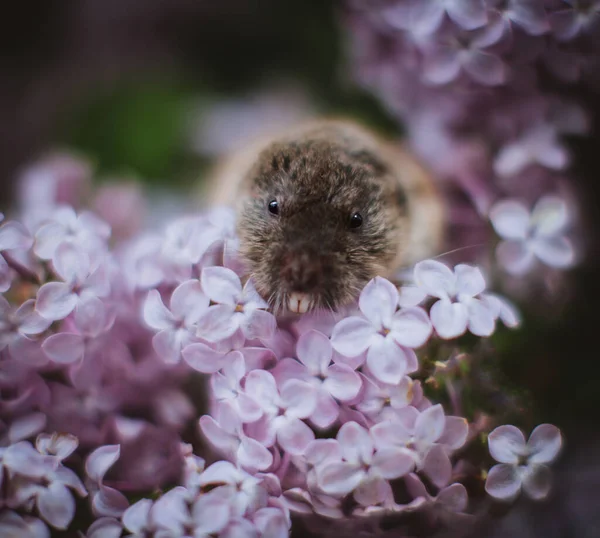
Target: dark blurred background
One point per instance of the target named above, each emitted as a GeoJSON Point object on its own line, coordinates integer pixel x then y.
{"type": "Point", "coordinates": [127, 82]}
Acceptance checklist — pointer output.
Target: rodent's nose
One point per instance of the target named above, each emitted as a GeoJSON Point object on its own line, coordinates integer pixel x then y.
{"type": "Point", "coordinates": [302, 270]}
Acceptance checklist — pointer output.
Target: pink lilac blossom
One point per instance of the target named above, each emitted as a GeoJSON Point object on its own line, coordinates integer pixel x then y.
{"type": "Point", "coordinates": [315, 416]}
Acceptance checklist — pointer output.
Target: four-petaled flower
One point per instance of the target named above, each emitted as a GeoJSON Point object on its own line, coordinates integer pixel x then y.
{"type": "Point", "coordinates": [522, 465]}
{"type": "Point", "coordinates": [530, 235]}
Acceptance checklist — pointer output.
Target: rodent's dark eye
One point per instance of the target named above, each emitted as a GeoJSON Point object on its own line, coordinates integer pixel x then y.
{"type": "Point", "coordinates": [273, 207]}
{"type": "Point", "coordinates": [356, 220]}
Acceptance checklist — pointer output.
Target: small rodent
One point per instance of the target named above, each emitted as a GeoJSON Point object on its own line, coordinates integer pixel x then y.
{"type": "Point", "coordinates": [324, 208]}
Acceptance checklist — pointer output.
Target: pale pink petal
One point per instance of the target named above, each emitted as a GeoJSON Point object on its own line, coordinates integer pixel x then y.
{"type": "Point", "coordinates": [100, 461]}
{"type": "Point", "coordinates": [64, 348]}
{"type": "Point", "coordinates": [544, 444]}
{"type": "Point", "coordinates": [455, 433]}
{"type": "Point", "coordinates": [253, 456]}
{"type": "Point", "coordinates": [378, 301]}
{"type": "Point", "coordinates": [167, 346]}
{"type": "Point", "coordinates": [221, 285]}
{"type": "Point", "coordinates": [55, 300]}
{"type": "Point", "coordinates": [239, 528]}
{"type": "Point", "coordinates": [71, 263]}
{"type": "Point", "coordinates": [251, 297]}
{"type": "Point", "coordinates": [248, 409]}
{"type": "Point", "coordinates": [554, 156]}
{"type": "Point", "coordinates": [352, 336]}
{"type": "Point", "coordinates": [511, 159]}
{"type": "Point", "coordinates": [485, 68]}
{"type": "Point", "coordinates": [26, 426]}
{"type": "Point", "coordinates": [554, 251]}
{"type": "Point", "coordinates": [393, 462]}
{"type": "Point", "coordinates": [549, 216]}
{"type": "Point", "coordinates": [56, 505]}
{"type": "Point", "coordinates": [271, 522]}
{"type": "Point", "coordinates": [537, 481]}
{"type": "Point", "coordinates": [342, 382]}
{"type": "Point", "coordinates": [23, 459]}
{"type": "Point", "coordinates": [210, 514]}
{"type": "Point", "coordinates": [435, 278]}
{"type": "Point", "coordinates": [294, 436]}
{"type": "Point", "coordinates": [481, 318]}
{"type": "Point", "coordinates": [502, 309]}
{"type": "Point", "coordinates": [61, 445]}
{"type": "Point", "coordinates": [469, 280]}
{"type": "Point", "coordinates": [468, 14]}
{"type": "Point", "coordinates": [355, 442]}
{"type": "Point", "coordinates": [507, 444]}
{"type": "Point", "coordinates": [47, 238]}
{"type": "Point", "coordinates": [339, 479]}
{"type": "Point", "coordinates": [515, 257]}
{"type": "Point", "coordinates": [389, 433]}
{"type": "Point", "coordinates": [299, 398]}
{"type": "Point", "coordinates": [218, 323]}
{"type": "Point", "coordinates": [91, 318]}
{"type": "Point", "coordinates": [314, 351]}
{"type": "Point", "coordinates": [426, 16]}
{"type": "Point", "coordinates": [13, 235]}
{"type": "Point", "coordinates": [430, 424]}
{"type": "Point", "coordinates": [441, 67]}
{"type": "Point", "coordinates": [387, 361]}
{"type": "Point", "coordinates": [105, 527]}
{"type": "Point", "coordinates": [225, 442]}
{"type": "Point", "coordinates": [454, 498]}
{"type": "Point", "coordinates": [503, 482]}
{"type": "Point", "coordinates": [411, 296]}
{"type": "Point", "coordinates": [449, 319]}
{"type": "Point", "coordinates": [411, 327]}
{"type": "Point", "coordinates": [437, 466]}
{"type": "Point", "coordinates": [188, 302]}
{"type": "Point", "coordinates": [531, 16]}
{"type": "Point", "coordinates": [135, 518]}
{"type": "Point", "coordinates": [263, 388]}
{"type": "Point", "coordinates": [155, 313]}
{"type": "Point", "coordinates": [203, 358]}
{"type": "Point", "coordinates": [259, 324]}
{"type": "Point", "coordinates": [326, 411]}
{"type": "Point", "coordinates": [373, 491]}
{"type": "Point", "coordinates": [30, 322]}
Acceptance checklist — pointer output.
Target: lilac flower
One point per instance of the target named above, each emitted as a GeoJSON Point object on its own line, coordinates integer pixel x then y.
{"type": "Point", "coordinates": [59, 445]}
{"type": "Point", "coordinates": [177, 324]}
{"type": "Point", "coordinates": [14, 525]}
{"type": "Point", "coordinates": [458, 308]}
{"type": "Point", "coordinates": [539, 144]}
{"type": "Point", "coordinates": [426, 16]}
{"type": "Point", "coordinates": [428, 435]}
{"type": "Point", "coordinates": [106, 501]}
{"type": "Point", "coordinates": [17, 324]}
{"type": "Point", "coordinates": [207, 360]}
{"type": "Point", "coordinates": [528, 14]}
{"type": "Point", "coordinates": [532, 235]}
{"type": "Point", "coordinates": [386, 334]}
{"type": "Point", "coordinates": [13, 236]}
{"type": "Point", "coordinates": [380, 401]}
{"type": "Point", "coordinates": [85, 232]}
{"type": "Point", "coordinates": [363, 469]}
{"type": "Point", "coordinates": [522, 465]}
{"type": "Point", "coordinates": [283, 410]}
{"type": "Point", "coordinates": [226, 434]}
{"type": "Point", "coordinates": [81, 279]}
{"type": "Point", "coordinates": [236, 308]}
{"type": "Point", "coordinates": [453, 497]}
{"type": "Point", "coordinates": [331, 381]}
{"type": "Point", "coordinates": [582, 16]}
{"type": "Point", "coordinates": [450, 55]}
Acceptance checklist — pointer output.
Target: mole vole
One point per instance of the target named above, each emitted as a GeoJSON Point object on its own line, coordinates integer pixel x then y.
{"type": "Point", "coordinates": [324, 208]}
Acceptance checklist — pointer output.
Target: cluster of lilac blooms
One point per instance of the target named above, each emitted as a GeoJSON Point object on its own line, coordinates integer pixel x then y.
{"type": "Point", "coordinates": [479, 86]}
{"type": "Point", "coordinates": [125, 353]}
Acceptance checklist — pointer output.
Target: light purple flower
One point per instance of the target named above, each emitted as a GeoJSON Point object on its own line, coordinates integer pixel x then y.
{"type": "Point", "coordinates": [426, 16]}
{"type": "Point", "coordinates": [538, 144]}
{"type": "Point", "coordinates": [363, 470]}
{"type": "Point", "coordinates": [237, 308]}
{"type": "Point", "coordinates": [176, 325]}
{"type": "Point", "coordinates": [386, 334]}
{"type": "Point", "coordinates": [380, 400]}
{"type": "Point", "coordinates": [81, 279]}
{"type": "Point", "coordinates": [453, 498]}
{"type": "Point", "coordinates": [17, 324]}
{"type": "Point", "coordinates": [581, 16]}
{"type": "Point", "coordinates": [227, 435]}
{"type": "Point", "coordinates": [532, 235]}
{"type": "Point", "coordinates": [283, 410]}
{"type": "Point", "coordinates": [458, 308]}
{"type": "Point", "coordinates": [530, 15]}
{"type": "Point", "coordinates": [522, 465]}
{"type": "Point", "coordinates": [85, 232]}
{"type": "Point", "coordinates": [59, 445]}
{"type": "Point", "coordinates": [13, 525]}
{"type": "Point", "coordinates": [331, 381]}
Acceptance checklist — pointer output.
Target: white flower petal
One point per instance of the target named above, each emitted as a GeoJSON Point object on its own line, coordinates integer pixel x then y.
{"type": "Point", "coordinates": [411, 327]}
{"type": "Point", "coordinates": [503, 481]}
{"type": "Point", "coordinates": [221, 285]}
{"type": "Point", "coordinates": [55, 300]}
{"type": "Point", "coordinates": [435, 278]}
{"type": "Point", "coordinates": [554, 251]}
{"type": "Point", "coordinates": [430, 424]}
{"type": "Point", "coordinates": [449, 319]}
{"type": "Point", "coordinates": [469, 280]}
{"type": "Point", "coordinates": [352, 336]}
{"type": "Point", "coordinates": [507, 444]}
{"type": "Point", "coordinates": [378, 301]}
{"type": "Point", "coordinates": [544, 444]}
{"type": "Point", "coordinates": [549, 216]}
{"type": "Point", "coordinates": [314, 351]}
{"type": "Point", "coordinates": [537, 480]}
{"type": "Point", "coordinates": [510, 219]}
{"type": "Point", "coordinates": [155, 313]}
{"type": "Point", "coordinates": [387, 361]}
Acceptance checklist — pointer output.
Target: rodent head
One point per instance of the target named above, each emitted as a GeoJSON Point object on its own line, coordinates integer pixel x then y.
{"type": "Point", "coordinates": [319, 221]}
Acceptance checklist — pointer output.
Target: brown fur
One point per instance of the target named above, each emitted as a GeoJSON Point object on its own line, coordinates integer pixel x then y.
{"type": "Point", "coordinates": [321, 174]}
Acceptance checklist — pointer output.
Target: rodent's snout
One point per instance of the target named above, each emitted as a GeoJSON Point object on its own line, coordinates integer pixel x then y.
{"type": "Point", "coordinates": [302, 272]}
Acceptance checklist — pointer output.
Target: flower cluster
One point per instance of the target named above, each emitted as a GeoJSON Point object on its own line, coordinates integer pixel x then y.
{"type": "Point", "coordinates": [467, 79]}
{"type": "Point", "coordinates": [326, 416]}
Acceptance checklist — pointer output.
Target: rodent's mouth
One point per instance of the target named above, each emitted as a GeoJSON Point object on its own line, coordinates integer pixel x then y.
{"type": "Point", "coordinates": [299, 302]}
